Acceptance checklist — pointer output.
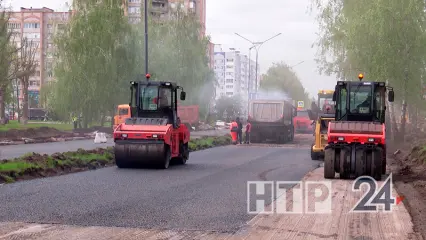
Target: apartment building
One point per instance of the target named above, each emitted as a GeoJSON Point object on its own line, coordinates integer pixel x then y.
{"type": "Point", "coordinates": [235, 74]}
{"type": "Point", "coordinates": [161, 9]}
{"type": "Point", "coordinates": [38, 25]}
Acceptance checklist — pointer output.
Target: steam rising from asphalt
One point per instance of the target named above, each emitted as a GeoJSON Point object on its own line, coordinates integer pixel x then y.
{"type": "Point", "coordinates": [273, 94]}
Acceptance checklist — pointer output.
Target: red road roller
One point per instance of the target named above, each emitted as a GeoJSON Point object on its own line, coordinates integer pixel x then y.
{"type": "Point", "coordinates": [153, 135]}
{"type": "Point", "coordinates": [356, 139]}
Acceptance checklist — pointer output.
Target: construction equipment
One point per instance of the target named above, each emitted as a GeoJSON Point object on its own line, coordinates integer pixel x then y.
{"type": "Point", "coordinates": [271, 120]}
{"type": "Point", "coordinates": [154, 134]}
{"type": "Point", "coordinates": [302, 122]}
{"type": "Point", "coordinates": [123, 112]}
{"type": "Point", "coordinates": [356, 139]}
{"type": "Point", "coordinates": [320, 133]}
{"type": "Point", "coordinates": [325, 99]}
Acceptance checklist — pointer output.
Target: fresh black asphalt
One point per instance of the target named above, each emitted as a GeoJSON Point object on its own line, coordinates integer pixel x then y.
{"type": "Point", "coordinates": [209, 193]}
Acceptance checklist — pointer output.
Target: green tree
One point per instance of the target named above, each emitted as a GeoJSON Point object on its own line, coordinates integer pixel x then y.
{"type": "Point", "coordinates": [7, 60]}
{"type": "Point", "coordinates": [96, 60]}
{"type": "Point", "coordinates": [178, 52]}
{"type": "Point", "coordinates": [228, 108]}
{"type": "Point", "coordinates": [383, 39]}
{"type": "Point", "coordinates": [280, 77]}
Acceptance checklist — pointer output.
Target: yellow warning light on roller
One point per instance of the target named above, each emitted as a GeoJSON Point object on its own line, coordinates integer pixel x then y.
{"type": "Point", "coordinates": [360, 76]}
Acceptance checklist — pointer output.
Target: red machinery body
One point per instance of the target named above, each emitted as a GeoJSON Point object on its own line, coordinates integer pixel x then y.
{"type": "Point", "coordinates": [152, 134]}
{"type": "Point", "coordinates": [302, 122]}
{"type": "Point", "coordinates": [189, 115]}
{"type": "Point", "coordinates": [356, 132]}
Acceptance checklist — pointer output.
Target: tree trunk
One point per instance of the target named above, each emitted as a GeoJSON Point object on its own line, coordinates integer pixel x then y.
{"type": "Point", "coordinates": [102, 120]}
{"type": "Point", "coordinates": [2, 107]}
{"type": "Point", "coordinates": [393, 121]}
{"type": "Point", "coordinates": [24, 82]}
{"type": "Point", "coordinates": [113, 114]}
{"type": "Point", "coordinates": [403, 120]}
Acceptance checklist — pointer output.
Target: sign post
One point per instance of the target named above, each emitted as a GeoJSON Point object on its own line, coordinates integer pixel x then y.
{"type": "Point", "coordinates": [300, 104]}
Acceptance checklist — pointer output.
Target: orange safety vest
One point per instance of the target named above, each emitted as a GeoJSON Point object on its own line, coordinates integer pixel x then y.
{"type": "Point", "coordinates": [234, 127]}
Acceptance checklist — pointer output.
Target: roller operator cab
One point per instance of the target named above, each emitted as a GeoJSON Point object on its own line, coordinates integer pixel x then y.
{"type": "Point", "coordinates": [325, 101]}
{"type": "Point", "coordinates": [356, 139]}
{"type": "Point", "coordinates": [153, 135]}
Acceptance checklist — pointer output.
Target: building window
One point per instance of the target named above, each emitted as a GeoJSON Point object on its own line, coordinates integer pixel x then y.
{"type": "Point", "coordinates": [31, 35]}
{"type": "Point", "coordinates": [32, 25]}
{"type": "Point", "coordinates": [14, 25]}
{"type": "Point", "coordinates": [49, 74]}
{"type": "Point", "coordinates": [134, 1]}
{"type": "Point", "coordinates": [229, 60]}
{"type": "Point", "coordinates": [229, 93]}
{"type": "Point", "coordinates": [34, 83]}
{"type": "Point", "coordinates": [229, 66]}
{"type": "Point", "coordinates": [229, 80]}
{"type": "Point", "coordinates": [36, 74]}
{"type": "Point", "coordinates": [229, 86]}
{"type": "Point", "coordinates": [229, 74]}
{"type": "Point", "coordinates": [134, 9]}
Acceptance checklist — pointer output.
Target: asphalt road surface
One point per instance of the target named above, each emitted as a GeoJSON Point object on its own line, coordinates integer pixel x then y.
{"type": "Point", "coordinates": [209, 193]}
{"type": "Point", "coordinates": [14, 151]}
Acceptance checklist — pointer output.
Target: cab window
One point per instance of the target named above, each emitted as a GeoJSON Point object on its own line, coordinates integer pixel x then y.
{"type": "Point", "coordinates": [123, 111]}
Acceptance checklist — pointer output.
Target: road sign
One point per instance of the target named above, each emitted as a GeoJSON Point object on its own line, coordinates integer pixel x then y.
{"type": "Point", "coordinates": [300, 104]}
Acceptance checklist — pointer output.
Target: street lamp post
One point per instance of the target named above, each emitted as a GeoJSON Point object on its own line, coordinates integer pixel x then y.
{"type": "Point", "coordinates": [146, 35]}
{"type": "Point", "coordinates": [256, 46]}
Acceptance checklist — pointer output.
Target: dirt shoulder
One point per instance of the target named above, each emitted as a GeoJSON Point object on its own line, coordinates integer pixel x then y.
{"type": "Point", "coordinates": [407, 163]}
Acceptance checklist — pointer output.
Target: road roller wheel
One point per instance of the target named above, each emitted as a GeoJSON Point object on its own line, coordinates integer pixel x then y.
{"type": "Point", "coordinates": [184, 150]}
{"type": "Point", "coordinates": [165, 163]}
{"type": "Point", "coordinates": [384, 165]}
{"type": "Point", "coordinates": [329, 159]}
{"type": "Point", "coordinates": [314, 155]}
{"type": "Point", "coordinates": [376, 165]}
{"type": "Point", "coordinates": [345, 164]}
{"type": "Point", "coordinates": [360, 163]}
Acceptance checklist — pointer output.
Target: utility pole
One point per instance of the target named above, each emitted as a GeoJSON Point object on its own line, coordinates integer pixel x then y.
{"type": "Point", "coordinates": [257, 46]}
{"type": "Point", "coordinates": [146, 38]}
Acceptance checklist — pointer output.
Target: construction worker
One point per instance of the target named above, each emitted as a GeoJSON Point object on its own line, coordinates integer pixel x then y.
{"type": "Point", "coordinates": [163, 98]}
{"type": "Point", "coordinates": [74, 121]}
{"type": "Point", "coordinates": [240, 130]}
{"type": "Point", "coordinates": [234, 132]}
{"type": "Point", "coordinates": [248, 130]}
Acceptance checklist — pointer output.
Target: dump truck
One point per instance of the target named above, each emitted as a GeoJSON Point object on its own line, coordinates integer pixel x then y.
{"type": "Point", "coordinates": [190, 116]}
{"type": "Point", "coordinates": [356, 139]}
{"type": "Point", "coordinates": [153, 135]}
{"type": "Point", "coordinates": [271, 120]}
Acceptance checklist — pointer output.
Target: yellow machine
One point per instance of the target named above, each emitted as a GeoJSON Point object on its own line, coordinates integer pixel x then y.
{"type": "Point", "coordinates": [325, 97]}
{"type": "Point", "coordinates": [123, 112]}
{"type": "Point", "coordinates": [321, 128]}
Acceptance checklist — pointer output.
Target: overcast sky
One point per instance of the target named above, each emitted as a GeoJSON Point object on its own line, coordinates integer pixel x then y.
{"type": "Point", "coordinates": [257, 21]}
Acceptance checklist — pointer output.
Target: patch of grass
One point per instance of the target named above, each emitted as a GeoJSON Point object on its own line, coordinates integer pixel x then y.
{"type": "Point", "coordinates": [15, 166]}
{"type": "Point", "coordinates": [14, 124]}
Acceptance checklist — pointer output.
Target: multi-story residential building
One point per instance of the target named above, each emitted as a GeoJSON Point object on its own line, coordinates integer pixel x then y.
{"type": "Point", "coordinates": [161, 9]}
{"type": "Point", "coordinates": [235, 74]}
{"type": "Point", "coordinates": [38, 25]}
